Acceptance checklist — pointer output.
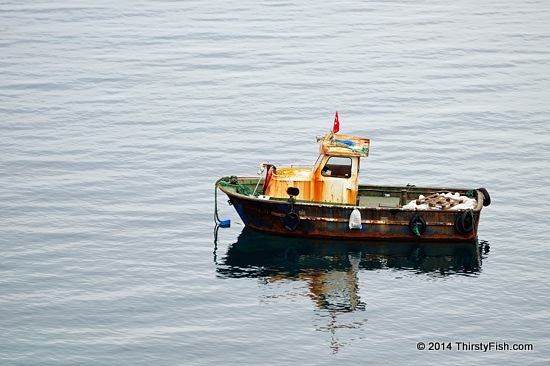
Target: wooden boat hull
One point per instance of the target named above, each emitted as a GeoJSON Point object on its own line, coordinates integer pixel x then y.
{"type": "Point", "coordinates": [331, 221]}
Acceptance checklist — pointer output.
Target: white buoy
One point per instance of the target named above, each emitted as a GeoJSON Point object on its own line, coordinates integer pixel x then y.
{"type": "Point", "coordinates": [355, 219]}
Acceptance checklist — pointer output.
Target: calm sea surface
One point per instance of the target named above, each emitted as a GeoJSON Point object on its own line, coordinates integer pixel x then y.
{"type": "Point", "coordinates": [118, 117]}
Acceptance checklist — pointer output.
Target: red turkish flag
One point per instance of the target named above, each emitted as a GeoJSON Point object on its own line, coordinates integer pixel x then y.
{"type": "Point", "coordinates": [336, 127]}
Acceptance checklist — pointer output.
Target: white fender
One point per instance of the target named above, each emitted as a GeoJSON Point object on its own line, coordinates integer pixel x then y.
{"type": "Point", "coordinates": [355, 219]}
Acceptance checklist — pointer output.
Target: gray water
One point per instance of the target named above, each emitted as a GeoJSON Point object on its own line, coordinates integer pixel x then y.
{"type": "Point", "coordinates": [117, 119]}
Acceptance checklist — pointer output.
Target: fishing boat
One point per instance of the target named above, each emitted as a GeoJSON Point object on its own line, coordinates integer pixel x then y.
{"type": "Point", "coordinates": [325, 200]}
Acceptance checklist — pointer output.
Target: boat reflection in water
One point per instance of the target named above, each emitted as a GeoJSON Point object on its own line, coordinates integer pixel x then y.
{"type": "Point", "coordinates": [256, 254]}
{"type": "Point", "coordinates": [330, 269]}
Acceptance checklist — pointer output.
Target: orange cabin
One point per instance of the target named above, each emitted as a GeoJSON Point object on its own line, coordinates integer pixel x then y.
{"type": "Point", "coordinates": [333, 178]}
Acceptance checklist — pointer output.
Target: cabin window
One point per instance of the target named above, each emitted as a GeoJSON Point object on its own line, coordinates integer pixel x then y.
{"type": "Point", "coordinates": [337, 166]}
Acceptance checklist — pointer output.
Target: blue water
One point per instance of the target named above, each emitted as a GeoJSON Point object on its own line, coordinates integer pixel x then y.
{"type": "Point", "coordinates": [117, 119]}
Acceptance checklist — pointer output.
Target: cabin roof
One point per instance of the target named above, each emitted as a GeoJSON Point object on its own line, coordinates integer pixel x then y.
{"type": "Point", "coordinates": [344, 145]}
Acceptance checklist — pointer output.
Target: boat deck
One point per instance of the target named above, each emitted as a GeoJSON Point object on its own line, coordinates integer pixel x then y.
{"type": "Point", "coordinates": [369, 196]}
{"type": "Point", "coordinates": [369, 201]}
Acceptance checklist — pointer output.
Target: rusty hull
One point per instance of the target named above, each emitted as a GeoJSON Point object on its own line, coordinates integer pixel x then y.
{"type": "Point", "coordinates": [331, 221]}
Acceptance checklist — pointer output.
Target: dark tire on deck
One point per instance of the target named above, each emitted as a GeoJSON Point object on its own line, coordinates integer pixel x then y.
{"type": "Point", "coordinates": [486, 196]}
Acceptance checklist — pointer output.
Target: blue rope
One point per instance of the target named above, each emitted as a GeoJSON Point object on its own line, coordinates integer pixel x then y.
{"type": "Point", "coordinates": [345, 142]}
